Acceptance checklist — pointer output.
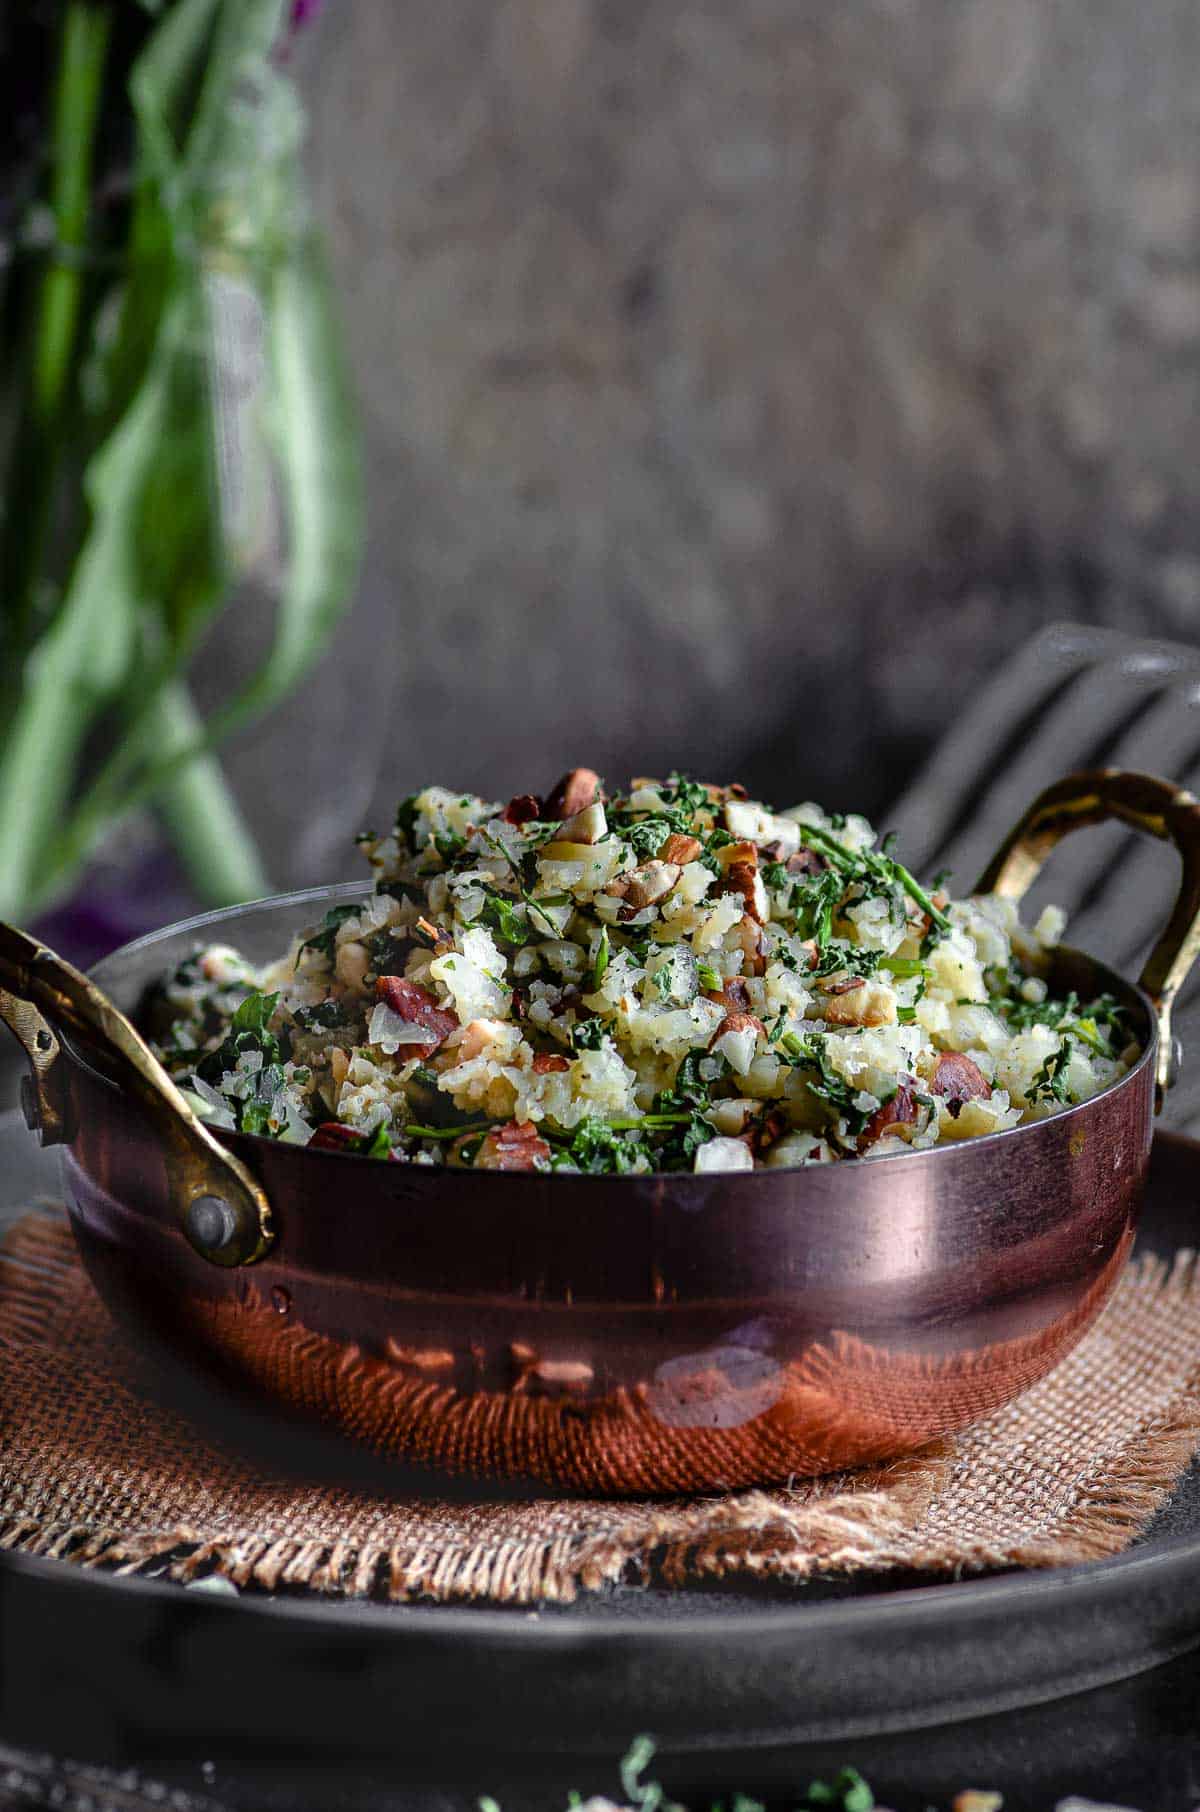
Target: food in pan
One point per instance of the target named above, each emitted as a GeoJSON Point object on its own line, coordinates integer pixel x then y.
{"type": "Point", "coordinates": [673, 977]}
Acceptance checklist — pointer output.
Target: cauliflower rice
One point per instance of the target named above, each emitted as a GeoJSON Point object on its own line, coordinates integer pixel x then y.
{"type": "Point", "coordinates": [674, 978]}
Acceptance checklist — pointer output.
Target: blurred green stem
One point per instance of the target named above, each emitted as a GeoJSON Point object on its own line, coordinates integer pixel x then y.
{"type": "Point", "coordinates": [37, 446]}
{"type": "Point", "coordinates": [204, 820]}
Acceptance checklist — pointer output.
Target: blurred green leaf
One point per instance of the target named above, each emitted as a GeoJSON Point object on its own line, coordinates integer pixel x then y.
{"type": "Point", "coordinates": [219, 226]}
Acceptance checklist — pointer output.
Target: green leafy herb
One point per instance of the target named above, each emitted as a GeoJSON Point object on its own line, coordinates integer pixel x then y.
{"type": "Point", "coordinates": [377, 1144]}
{"type": "Point", "coordinates": [646, 836]}
{"type": "Point", "coordinates": [877, 867]}
{"type": "Point", "coordinates": [324, 939]}
{"type": "Point", "coordinates": [537, 907]}
{"type": "Point", "coordinates": [709, 978]}
{"type": "Point", "coordinates": [449, 845]}
{"type": "Point", "coordinates": [249, 1030]}
{"type": "Point", "coordinates": [847, 959]}
{"type": "Point", "coordinates": [506, 916]}
{"type": "Point", "coordinates": [1050, 1082]}
{"type": "Point", "coordinates": [847, 1792]}
{"type": "Point", "coordinates": [406, 822]}
{"type": "Point", "coordinates": [808, 1051]}
{"type": "Point", "coordinates": [588, 1035]}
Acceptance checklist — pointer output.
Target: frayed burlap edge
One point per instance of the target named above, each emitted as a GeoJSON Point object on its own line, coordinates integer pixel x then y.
{"type": "Point", "coordinates": [754, 1533]}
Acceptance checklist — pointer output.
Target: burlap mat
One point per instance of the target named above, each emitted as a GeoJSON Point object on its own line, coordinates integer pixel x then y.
{"type": "Point", "coordinates": [96, 1470]}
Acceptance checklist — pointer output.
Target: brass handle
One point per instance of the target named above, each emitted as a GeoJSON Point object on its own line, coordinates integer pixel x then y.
{"type": "Point", "coordinates": [221, 1207]}
{"type": "Point", "coordinates": [1147, 804]}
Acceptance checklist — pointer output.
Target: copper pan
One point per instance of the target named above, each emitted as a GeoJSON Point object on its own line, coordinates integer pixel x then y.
{"type": "Point", "coordinates": [663, 1333]}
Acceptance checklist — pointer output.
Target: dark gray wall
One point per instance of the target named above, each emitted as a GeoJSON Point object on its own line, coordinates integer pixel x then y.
{"type": "Point", "coordinates": [741, 379]}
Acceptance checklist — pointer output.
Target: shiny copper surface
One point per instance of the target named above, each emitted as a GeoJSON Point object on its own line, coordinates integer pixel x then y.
{"type": "Point", "coordinates": [628, 1334]}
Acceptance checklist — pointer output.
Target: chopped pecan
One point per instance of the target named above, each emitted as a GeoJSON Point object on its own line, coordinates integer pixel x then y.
{"type": "Point", "coordinates": [513, 1146]}
{"type": "Point", "coordinates": [680, 849]}
{"type": "Point", "coordinates": [575, 790]}
{"type": "Point", "coordinates": [807, 862]}
{"type": "Point", "coordinates": [546, 1063]}
{"type": "Point", "coordinates": [958, 1080]}
{"type": "Point", "coordinates": [901, 1110]}
{"type": "Point", "coordinates": [419, 1007]}
{"type": "Point", "coordinates": [520, 809]}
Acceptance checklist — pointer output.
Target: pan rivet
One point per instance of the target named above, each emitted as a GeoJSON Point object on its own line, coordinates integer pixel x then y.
{"type": "Point", "coordinates": [210, 1224]}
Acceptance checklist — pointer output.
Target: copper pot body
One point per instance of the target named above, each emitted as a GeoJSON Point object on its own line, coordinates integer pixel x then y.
{"type": "Point", "coordinates": [667, 1333]}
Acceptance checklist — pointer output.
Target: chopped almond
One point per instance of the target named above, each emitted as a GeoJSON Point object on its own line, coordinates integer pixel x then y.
{"type": "Point", "coordinates": [576, 789]}
{"type": "Point", "coordinates": [744, 878]}
{"type": "Point", "coordinates": [736, 1021]}
{"type": "Point", "coordinates": [744, 851]}
{"type": "Point", "coordinates": [680, 849]}
{"type": "Point", "coordinates": [958, 1080]}
{"type": "Point", "coordinates": [643, 886]}
{"type": "Point", "coordinates": [901, 1110]}
{"type": "Point", "coordinates": [520, 809]}
{"type": "Point", "coordinates": [870, 1005]}
{"type": "Point", "coordinates": [753, 944]}
{"type": "Point", "coordinates": [735, 995]}
{"type": "Point", "coordinates": [587, 826]}
{"type": "Point", "coordinates": [846, 984]}
{"type": "Point", "coordinates": [479, 1036]}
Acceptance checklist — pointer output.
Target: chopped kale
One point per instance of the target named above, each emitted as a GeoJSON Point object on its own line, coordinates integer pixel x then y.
{"type": "Point", "coordinates": [646, 836]}
{"type": "Point", "coordinates": [814, 904]}
{"type": "Point", "coordinates": [406, 819]}
{"type": "Point", "coordinates": [449, 845]}
{"type": "Point", "coordinates": [248, 1031]}
{"type": "Point", "coordinates": [598, 1148]}
{"type": "Point", "coordinates": [875, 871]}
{"type": "Point", "coordinates": [808, 1051]}
{"type": "Point", "coordinates": [324, 939]}
{"type": "Point", "coordinates": [506, 916]}
{"type": "Point", "coordinates": [1050, 1082]}
{"type": "Point", "coordinates": [323, 1017]}
{"type": "Point", "coordinates": [588, 1034]}
{"type": "Point", "coordinates": [848, 959]}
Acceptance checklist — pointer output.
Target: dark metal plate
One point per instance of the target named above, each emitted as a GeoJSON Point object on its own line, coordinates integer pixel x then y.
{"type": "Point", "coordinates": [132, 1668]}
